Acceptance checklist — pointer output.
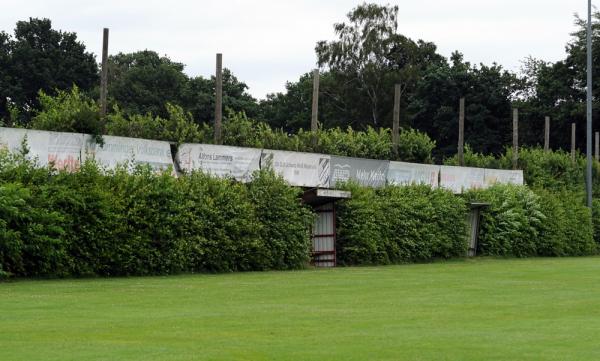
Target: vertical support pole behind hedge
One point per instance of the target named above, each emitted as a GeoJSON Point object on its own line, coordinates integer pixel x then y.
{"type": "Point", "coordinates": [396, 122]}
{"type": "Point", "coordinates": [597, 152]}
{"type": "Point", "coordinates": [515, 157]}
{"type": "Point", "coordinates": [547, 135]}
{"type": "Point", "coordinates": [461, 132]}
{"type": "Point", "coordinates": [219, 99]}
{"type": "Point", "coordinates": [573, 142]}
{"type": "Point", "coordinates": [314, 116]}
{"type": "Point", "coordinates": [104, 74]}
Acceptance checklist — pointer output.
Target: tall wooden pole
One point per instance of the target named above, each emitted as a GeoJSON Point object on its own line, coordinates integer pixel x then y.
{"type": "Point", "coordinates": [597, 146]}
{"type": "Point", "coordinates": [573, 142]}
{"type": "Point", "coordinates": [515, 158]}
{"type": "Point", "coordinates": [588, 140]}
{"type": "Point", "coordinates": [547, 135]}
{"type": "Point", "coordinates": [396, 123]}
{"type": "Point", "coordinates": [314, 116]}
{"type": "Point", "coordinates": [104, 74]}
{"type": "Point", "coordinates": [461, 132]}
{"type": "Point", "coordinates": [219, 99]}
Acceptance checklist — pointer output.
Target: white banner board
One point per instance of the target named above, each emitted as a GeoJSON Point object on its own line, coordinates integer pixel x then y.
{"type": "Point", "coordinates": [459, 179]}
{"type": "Point", "coordinates": [503, 176]}
{"type": "Point", "coordinates": [219, 160]}
{"type": "Point", "coordinates": [120, 150]}
{"type": "Point", "coordinates": [367, 172]}
{"type": "Point", "coordinates": [298, 169]}
{"type": "Point", "coordinates": [62, 150]}
{"type": "Point", "coordinates": [401, 173]}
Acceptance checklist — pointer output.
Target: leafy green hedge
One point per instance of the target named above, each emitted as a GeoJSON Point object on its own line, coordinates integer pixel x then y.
{"type": "Point", "coordinates": [73, 112]}
{"type": "Point", "coordinates": [116, 223]}
{"type": "Point", "coordinates": [400, 224]}
{"type": "Point", "coordinates": [522, 222]}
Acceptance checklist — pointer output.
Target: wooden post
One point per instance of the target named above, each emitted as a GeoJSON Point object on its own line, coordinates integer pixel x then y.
{"type": "Point", "coordinates": [515, 157]}
{"type": "Point", "coordinates": [547, 135]}
{"type": "Point", "coordinates": [219, 99]}
{"type": "Point", "coordinates": [314, 117]}
{"type": "Point", "coordinates": [573, 142]}
{"type": "Point", "coordinates": [597, 146]}
{"type": "Point", "coordinates": [396, 123]}
{"type": "Point", "coordinates": [104, 74]}
{"type": "Point", "coordinates": [461, 132]}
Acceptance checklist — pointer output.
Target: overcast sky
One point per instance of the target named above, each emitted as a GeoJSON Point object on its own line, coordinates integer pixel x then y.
{"type": "Point", "coordinates": [268, 42]}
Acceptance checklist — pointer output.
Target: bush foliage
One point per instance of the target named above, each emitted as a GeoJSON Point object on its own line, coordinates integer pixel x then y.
{"type": "Point", "coordinates": [400, 224]}
{"type": "Point", "coordinates": [115, 223]}
{"type": "Point", "coordinates": [522, 222]}
{"type": "Point", "coordinates": [74, 112]}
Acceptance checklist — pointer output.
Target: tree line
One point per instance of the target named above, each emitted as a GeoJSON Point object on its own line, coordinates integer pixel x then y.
{"type": "Point", "coordinates": [359, 69]}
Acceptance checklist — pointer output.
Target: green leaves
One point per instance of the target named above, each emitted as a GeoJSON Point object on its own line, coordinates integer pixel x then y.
{"type": "Point", "coordinates": [522, 222]}
{"type": "Point", "coordinates": [68, 111]}
{"type": "Point", "coordinates": [400, 224]}
{"type": "Point", "coordinates": [118, 223]}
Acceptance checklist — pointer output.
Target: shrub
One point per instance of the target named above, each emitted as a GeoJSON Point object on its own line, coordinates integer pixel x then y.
{"type": "Point", "coordinates": [30, 234]}
{"type": "Point", "coordinates": [97, 222]}
{"type": "Point", "coordinates": [522, 222]}
{"type": "Point", "coordinates": [68, 111]}
{"type": "Point", "coordinates": [400, 224]}
{"type": "Point", "coordinates": [178, 127]}
{"type": "Point", "coordinates": [285, 221]}
{"type": "Point", "coordinates": [414, 146]}
{"type": "Point", "coordinates": [474, 159]}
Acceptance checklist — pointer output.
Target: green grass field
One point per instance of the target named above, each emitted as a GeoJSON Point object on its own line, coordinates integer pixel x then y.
{"type": "Point", "coordinates": [537, 309]}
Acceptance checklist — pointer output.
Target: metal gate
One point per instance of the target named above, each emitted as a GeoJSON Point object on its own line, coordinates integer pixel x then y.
{"type": "Point", "coordinates": [323, 236]}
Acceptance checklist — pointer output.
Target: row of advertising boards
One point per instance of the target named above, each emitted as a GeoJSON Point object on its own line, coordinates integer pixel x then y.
{"type": "Point", "coordinates": [69, 150]}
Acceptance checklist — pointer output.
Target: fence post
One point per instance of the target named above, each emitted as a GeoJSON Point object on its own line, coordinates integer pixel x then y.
{"type": "Point", "coordinates": [461, 132]}
{"type": "Point", "coordinates": [104, 74]}
{"type": "Point", "coordinates": [573, 142]}
{"type": "Point", "coordinates": [219, 99]}
{"type": "Point", "coordinates": [396, 123]}
{"type": "Point", "coordinates": [515, 158]}
{"type": "Point", "coordinates": [547, 135]}
{"type": "Point", "coordinates": [314, 125]}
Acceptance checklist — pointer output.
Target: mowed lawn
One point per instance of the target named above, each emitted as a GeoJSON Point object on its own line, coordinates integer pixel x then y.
{"type": "Point", "coordinates": [485, 309]}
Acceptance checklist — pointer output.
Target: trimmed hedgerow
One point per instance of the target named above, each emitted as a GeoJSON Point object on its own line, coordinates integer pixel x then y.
{"type": "Point", "coordinates": [523, 222]}
{"type": "Point", "coordinates": [95, 222]}
{"type": "Point", "coordinates": [400, 224]}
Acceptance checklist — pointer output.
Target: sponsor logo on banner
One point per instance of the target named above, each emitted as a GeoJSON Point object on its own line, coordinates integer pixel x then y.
{"type": "Point", "coordinates": [219, 160]}
{"type": "Point", "coordinates": [133, 151]}
{"type": "Point", "coordinates": [401, 173]}
{"type": "Point", "coordinates": [459, 179]}
{"type": "Point", "coordinates": [58, 149]}
{"type": "Point", "coordinates": [299, 169]}
{"type": "Point", "coordinates": [364, 171]}
{"type": "Point", "coordinates": [503, 176]}
{"type": "Point", "coordinates": [324, 170]}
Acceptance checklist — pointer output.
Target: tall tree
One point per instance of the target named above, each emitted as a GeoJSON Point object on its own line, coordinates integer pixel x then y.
{"type": "Point", "coordinates": [558, 89]}
{"type": "Point", "coordinates": [488, 91]}
{"type": "Point", "coordinates": [41, 58]}
{"type": "Point", "coordinates": [360, 54]}
{"type": "Point", "coordinates": [144, 82]}
{"type": "Point", "coordinates": [362, 66]}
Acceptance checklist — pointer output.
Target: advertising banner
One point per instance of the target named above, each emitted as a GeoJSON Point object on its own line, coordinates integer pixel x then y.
{"type": "Point", "coordinates": [492, 176]}
{"type": "Point", "coordinates": [459, 179]}
{"type": "Point", "coordinates": [219, 160]}
{"type": "Point", "coordinates": [401, 173]}
{"type": "Point", "coordinates": [298, 169]}
{"type": "Point", "coordinates": [367, 172]}
{"type": "Point", "coordinates": [62, 150]}
{"type": "Point", "coordinates": [134, 151]}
